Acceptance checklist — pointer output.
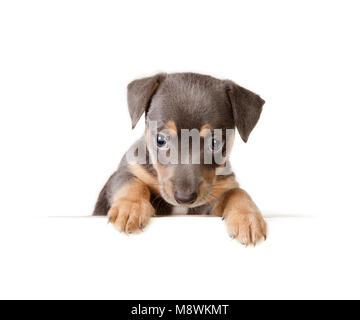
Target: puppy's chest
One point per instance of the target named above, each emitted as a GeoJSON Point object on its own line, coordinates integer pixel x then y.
{"type": "Point", "coordinates": [179, 210]}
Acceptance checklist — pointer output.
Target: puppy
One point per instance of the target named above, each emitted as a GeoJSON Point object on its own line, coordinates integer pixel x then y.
{"type": "Point", "coordinates": [165, 173]}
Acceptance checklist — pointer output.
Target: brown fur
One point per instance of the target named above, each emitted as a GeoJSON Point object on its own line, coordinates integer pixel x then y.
{"type": "Point", "coordinates": [147, 178]}
{"type": "Point", "coordinates": [131, 209]}
{"type": "Point", "coordinates": [223, 185]}
{"type": "Point", "coordinates": [209, 177]}
{"type": "Point", "coordinates": [243, 218]}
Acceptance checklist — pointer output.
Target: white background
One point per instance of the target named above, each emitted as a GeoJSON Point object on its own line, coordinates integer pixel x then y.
{"type": "Point", "coordinates": [64, 67]}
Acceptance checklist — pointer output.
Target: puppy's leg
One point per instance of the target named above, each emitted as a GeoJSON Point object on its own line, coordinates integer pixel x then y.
{"type": "Point", "coordinates": [130, 206]}
{"type": "Point", "coordinates": [102, 205]}
{"type": "Point", "coordinates": [244, 220]}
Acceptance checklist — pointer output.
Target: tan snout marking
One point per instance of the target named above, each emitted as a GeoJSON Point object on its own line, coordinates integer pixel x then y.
{"type": "Point", "coordinates": [209, 177]}
{"type": "Point", "coordinates": [165, 174]}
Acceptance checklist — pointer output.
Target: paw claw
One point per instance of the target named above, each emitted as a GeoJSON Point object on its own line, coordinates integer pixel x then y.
{"type": "Point", "coordinates": [247, 228]}
{"type": "Point", "coordinates": [129, 215]}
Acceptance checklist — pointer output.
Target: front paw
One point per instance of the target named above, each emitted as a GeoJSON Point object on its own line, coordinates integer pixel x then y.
{"type": "Point", "coordinates": [130, 215]}
{"type": "Point", "coordinates": [248, 228]}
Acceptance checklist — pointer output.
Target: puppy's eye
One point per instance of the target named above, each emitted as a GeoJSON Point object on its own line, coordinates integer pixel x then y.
{"type": "Point", "coordinates": [161, 141]}
{"type": "Point", "coordinates": [215, 145]}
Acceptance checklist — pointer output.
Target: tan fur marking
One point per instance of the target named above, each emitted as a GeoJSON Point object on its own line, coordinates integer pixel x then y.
{"type": "Point", "coordinates": [229, 146]}
{"type": "Point", "coordinates": [139, 171]}
{"type": "Point", "coordinates": [170, 125]}
{"type": "Point", "coordinates": [133, 190]}
{"type": "Point", "coordinates": [205, 130]}
{"type": "Point", "coordinates": [160, 169]}
{"type": "Point", "coordinates": [164, 174]}
{"type": "Point", "coordinates": [209, 177]}
{"type": "Point", "coordinates": [153, 90]}
{"type": "Point", "coordinates": [243, 218]}
{"type": "Point", "coordinates": [131, 208]}
{"type": "Point", "coordinates": [224, 185]}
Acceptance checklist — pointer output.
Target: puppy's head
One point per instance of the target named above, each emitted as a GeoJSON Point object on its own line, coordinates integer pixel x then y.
{"type": "Point", "coordinates": [190, 121]}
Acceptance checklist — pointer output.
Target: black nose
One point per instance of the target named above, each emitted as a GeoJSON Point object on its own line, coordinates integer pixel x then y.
{"type": "Point", "coordinates": [185, 197]}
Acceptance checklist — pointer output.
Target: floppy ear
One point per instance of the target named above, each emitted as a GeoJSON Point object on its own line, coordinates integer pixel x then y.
{"type": "Point", "coordinates": [246, 106]}
{"type": "Point", "coordinates": [139, 94]}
